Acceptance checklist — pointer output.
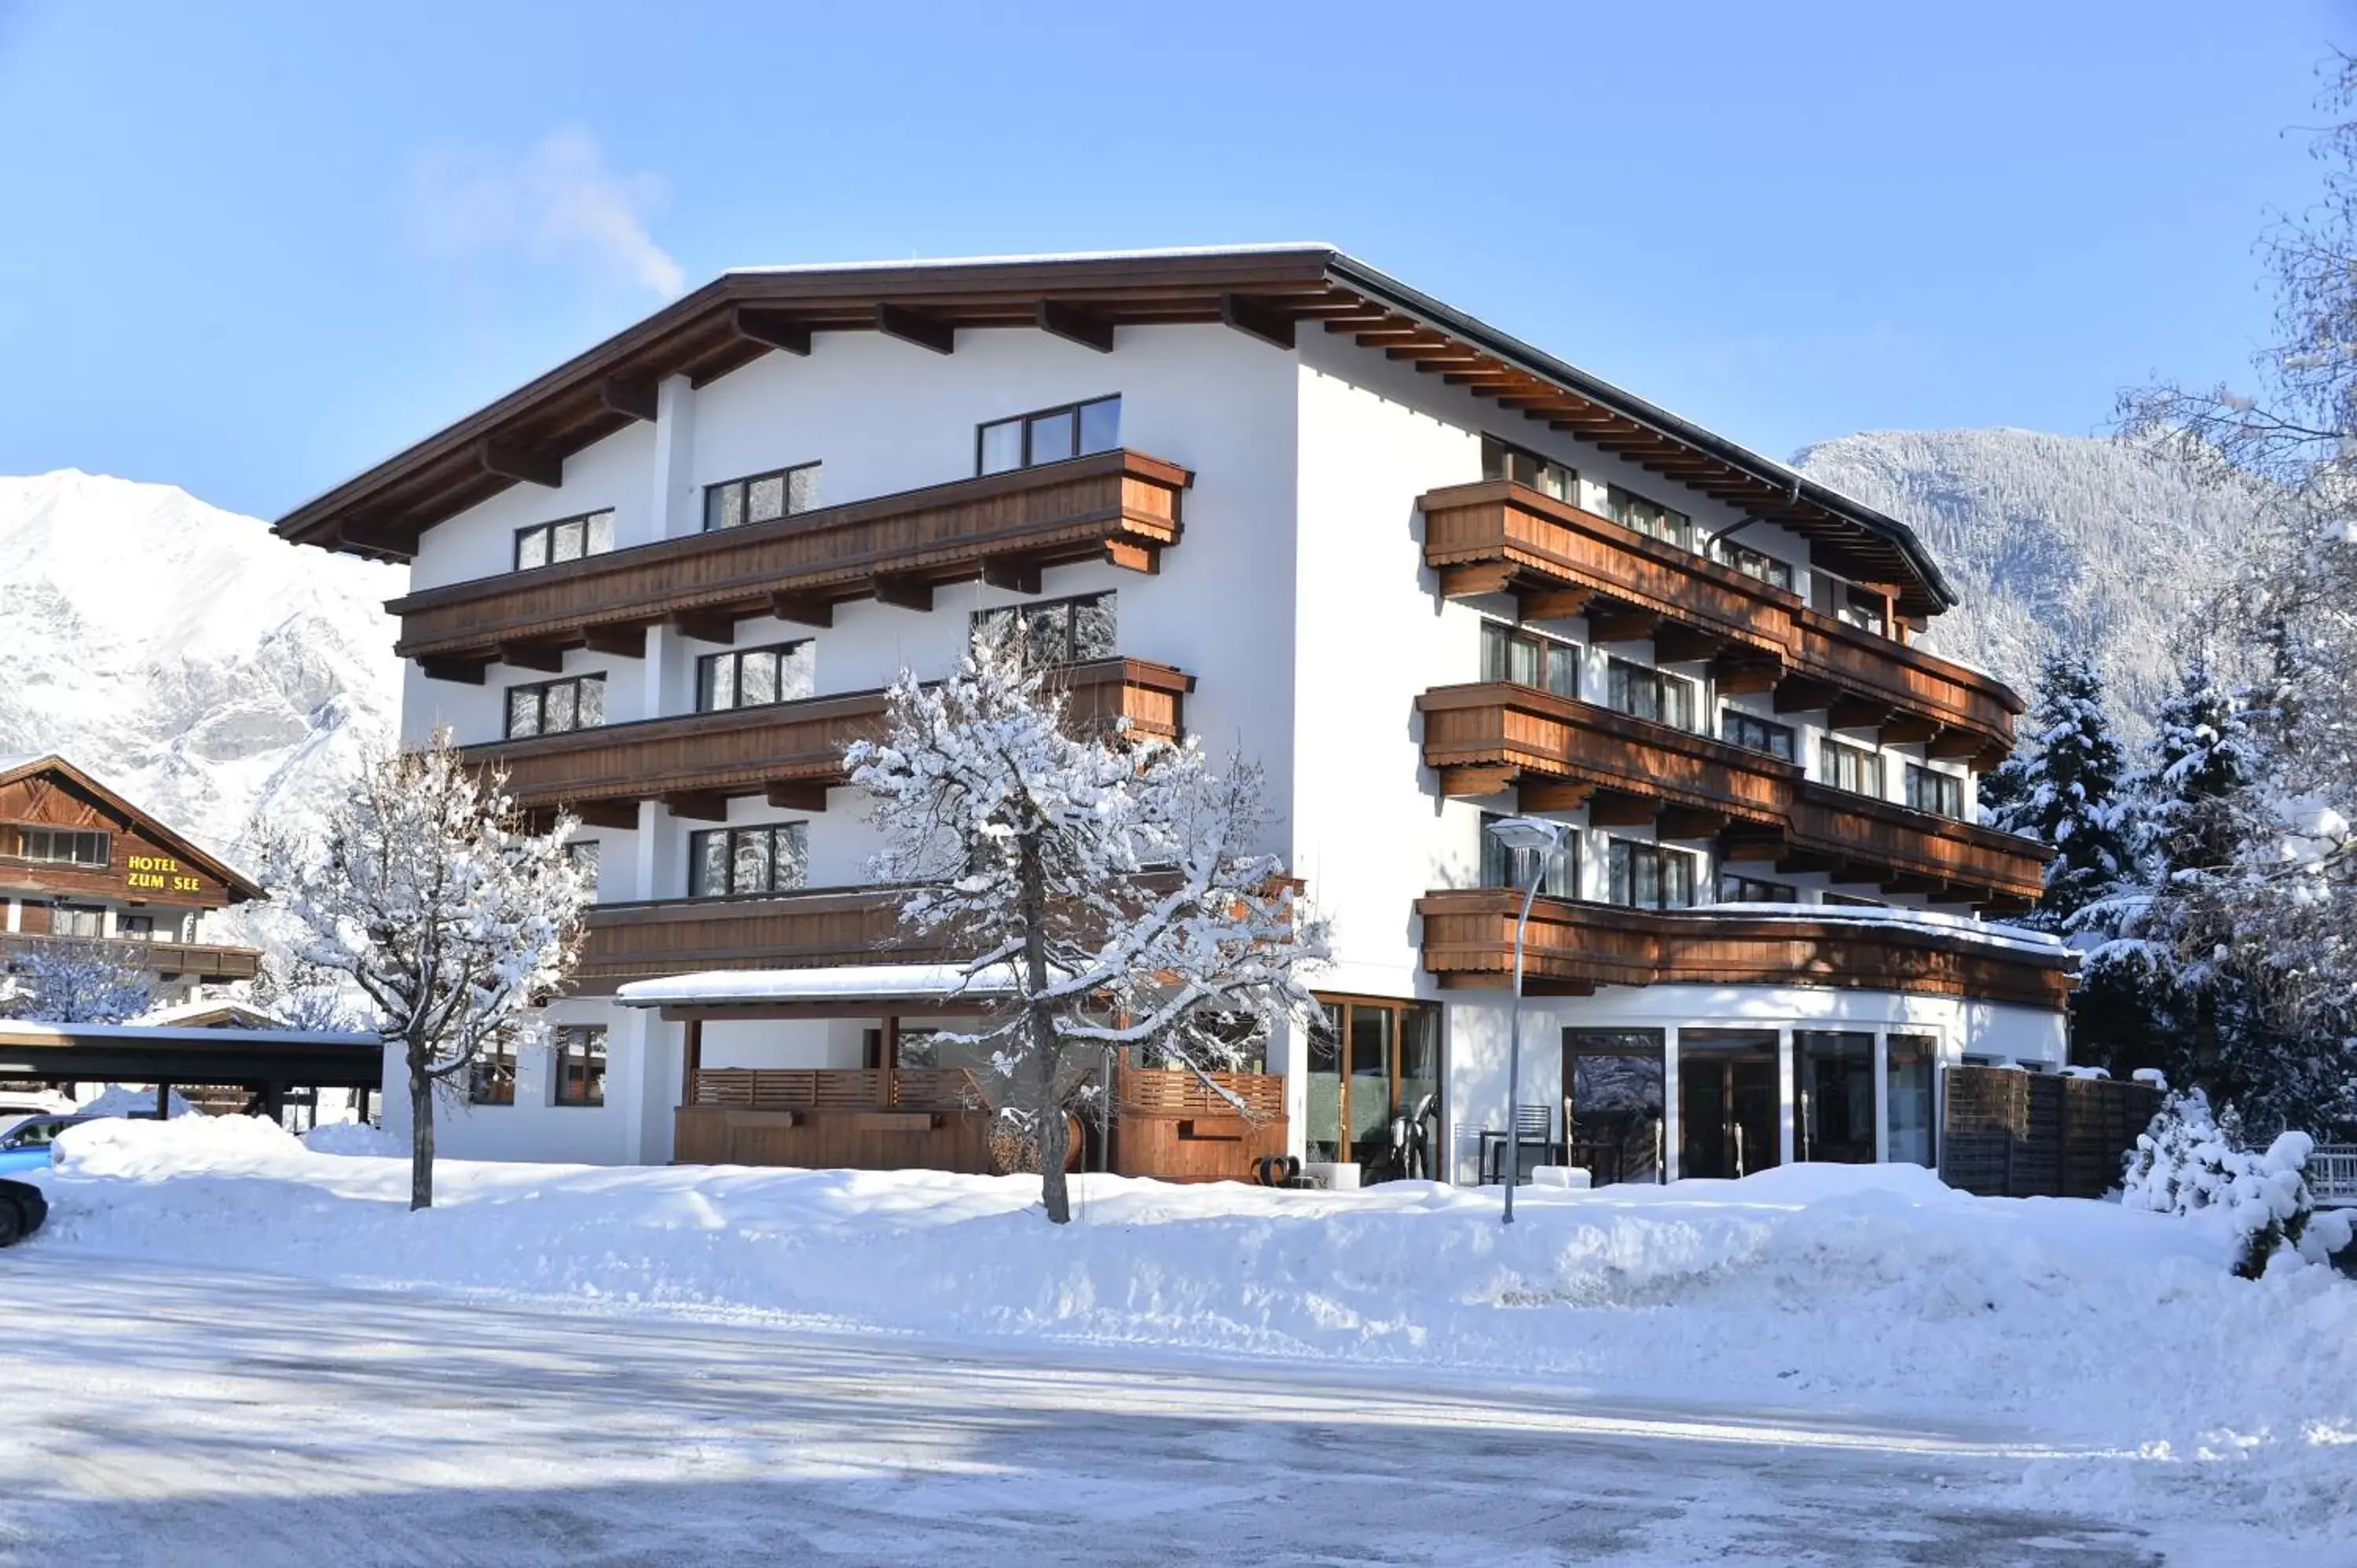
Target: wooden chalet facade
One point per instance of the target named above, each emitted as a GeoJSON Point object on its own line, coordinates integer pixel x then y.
{"type": "Point", "coordinates": [1424, 574]}
{"type": "Point", "coordinates": [81, 864]}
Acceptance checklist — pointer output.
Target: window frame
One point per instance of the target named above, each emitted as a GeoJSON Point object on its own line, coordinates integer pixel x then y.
{"type": "Point", "coordinates": [1497, 867]}
{"type": "Point", "coordinates": [1026, 420]}
{"type": "Point", "coordinates": [20, 847]}
{"type": "Point", "coordinates": [1073, 655]}
{"type": "Point", "coordinates": [1499, 457]}
{"type": "Point", "coordinates": [1775, 571]}
{"type": "Point", "coordinates": [96, 913]}
{"type": "Point", "coordinates": [701, 836]}
{"type": "Point", "coordinates": [564, 1039]}
{"type": "Point", "coordinates": [1949, 787]}
{"type": "Point", "coordinates": [745, 482]}
{"type": "Point", "coordinates": [586, 852]}
{"type": "Point", "coordinates": [1789, 894]}
{"type": "Point", "coordinates": [1829, 752]}
{"type": "Point", "coordinates": [1733, 717]}
{"type": "Point", "coordinates": [1509, 633]}
{"type": "Point", "coordinates": [1617, 671]}
{"type": "Point", "coordinates": [539, 691]}
{"type": "Point", "coordinates": [492, 1075]}
{"type": "Point", "coordinates": [1619, 877]}
{"type": "Point", "coordinates": [709, 662]}
{"type": "Point", "coordinates": [548, 532]}
{"type": "Point", "coordinates": [1617, 500]}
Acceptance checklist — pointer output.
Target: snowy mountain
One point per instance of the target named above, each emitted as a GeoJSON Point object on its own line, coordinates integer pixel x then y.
{"type": "Point", "coordinates": [215, 675]}
{"type": "Point", "coordinates": [2049, 538]}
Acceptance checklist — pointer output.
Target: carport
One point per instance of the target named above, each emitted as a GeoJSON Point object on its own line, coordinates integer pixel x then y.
{"type": "Point", "coordinates": [272, 1063]}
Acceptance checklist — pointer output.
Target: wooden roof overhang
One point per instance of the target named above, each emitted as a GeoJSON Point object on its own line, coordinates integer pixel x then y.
{"type": "Point", "coordinates": [1268, 293]}
{"type": "Point", "coordinates": [1573, 948]}
{"type": "Point", "coordinates": [235, 885]}
{"type": "Point", "coordinates": [1559, 560]}
{"type": "Point", "coordinates": [70, 1053]}
{"type": "Point", "coordinates": [1562, 753]}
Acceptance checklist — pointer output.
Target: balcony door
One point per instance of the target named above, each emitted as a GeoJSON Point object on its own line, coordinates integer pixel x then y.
{"type": "Point", "coordinates": [1728, 1102]}
{"type": "Point", "coordinates": [1375, 1086]}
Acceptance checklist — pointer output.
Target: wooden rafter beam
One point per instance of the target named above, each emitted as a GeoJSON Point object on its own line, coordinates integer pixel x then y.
{"type": "Point", "coordinates": [538, 656]}
{"type": "Point", "coordinates": [1486, 778]}
{"type": "Point", "coordinates": [507, 460]}
{"type": "Point", "coordinates": [465, 672]}
{"type": "Point", "coordinates": [701, 805]}
{"type": "Point", "coordinates": [615, 815]}
{"type": "Point", "coordinates": [1552, 604]}
{"type": "Point", "coordinates": [771, 328]}
{"type": "Point", "coordinates": [622, 641]}
{"type": "Point", "coordinates": [1015, 573]}
{"type": "Point", "coordinates": [1553, 794]}
{"type": "Point", "coordinates": [906, 592]}
{"type": "Point", "coordinates": [632, 396]}
{"type": "Point", "coordinates": [1257, 318]}
{"type": "Point", "coordinates": [796, 795]}
{"type": "Point", "coordinates": [802, 609]}
{"type": "Point", "coordinates": [706, 627]}
{"type": "Point", "coordinates": [1074, 324]}
{"type": "Point", "coordinates": [1616, 809]}
{"type": "Point", "coordinates": [916, 327]}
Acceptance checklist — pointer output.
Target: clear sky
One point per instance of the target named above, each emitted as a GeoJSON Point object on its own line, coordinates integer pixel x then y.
{"type": "Point", "coordinates": [250, 249]}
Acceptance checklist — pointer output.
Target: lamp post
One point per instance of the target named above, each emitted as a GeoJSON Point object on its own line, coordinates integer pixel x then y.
{"type": "Point", "coordinates": [1542, 840]}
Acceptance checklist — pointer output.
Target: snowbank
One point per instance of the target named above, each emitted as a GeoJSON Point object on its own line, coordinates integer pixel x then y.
{"type": "Point", "coordinates": [1844, 1287]}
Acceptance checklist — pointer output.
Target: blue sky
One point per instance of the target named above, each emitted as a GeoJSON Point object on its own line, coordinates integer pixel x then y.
{"type": "Point", "coordinates": [251, 249]}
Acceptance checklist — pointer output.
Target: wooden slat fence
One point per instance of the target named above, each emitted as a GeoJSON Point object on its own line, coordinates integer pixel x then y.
{"type": "Point", "coordinates": [843, 1088]}
{"type": "Point", "coordinates": [2009, 1133]}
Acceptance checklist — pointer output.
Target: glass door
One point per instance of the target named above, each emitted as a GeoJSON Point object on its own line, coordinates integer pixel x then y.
{"type": "Point", "coordinates": [1375, 1086]}
{"type": "Point", "coordinates": [1909, 1070]}
{"type": "Point", "coordinates": [1613, 1103]}
{"type": "Point", "coordinates": [1728, 1102]}
{"type": "Point", "coordinates": [1834, 1100]}
{"type": "Point", "coordinates": [1324, 1142]}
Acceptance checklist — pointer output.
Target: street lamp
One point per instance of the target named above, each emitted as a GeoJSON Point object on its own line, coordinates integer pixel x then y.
{"type": "Point", "coordinates": [1543, 842]}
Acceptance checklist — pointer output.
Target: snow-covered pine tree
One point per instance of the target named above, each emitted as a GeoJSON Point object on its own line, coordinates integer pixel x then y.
{"type": "Point", "coordinates": [2062, 786]}
{"type": "Point", "coordinates": [1105, 884]}
{"type": "Point", "coordinates": [426, 890]}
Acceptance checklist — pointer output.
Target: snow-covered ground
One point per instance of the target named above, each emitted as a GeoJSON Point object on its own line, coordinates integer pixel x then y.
{"type": "Point", "coordinates": [2062, 1360]}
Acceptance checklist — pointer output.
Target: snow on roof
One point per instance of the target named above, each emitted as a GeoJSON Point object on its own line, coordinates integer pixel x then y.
{"type": "Point", "coordinates": [850, 983]}
{"type": "Point", "coordinates": [1165, 252]}
{"type": "Point", "coordinates": [2016, 939]}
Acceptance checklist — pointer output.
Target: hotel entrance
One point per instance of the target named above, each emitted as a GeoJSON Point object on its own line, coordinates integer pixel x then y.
{"type": "Point", "coordinates": [1728, 1102]}
{"type": "Point", "coordinates": [1373, 1090]}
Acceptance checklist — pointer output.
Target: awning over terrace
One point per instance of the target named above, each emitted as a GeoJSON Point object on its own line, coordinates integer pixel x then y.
{"type": "Point", "coordinates": [270, 1060]}
{"type": "Point", "coordinates": [863, 990]}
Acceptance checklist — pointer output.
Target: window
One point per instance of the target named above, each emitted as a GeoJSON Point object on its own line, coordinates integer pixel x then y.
{"type": "Point", "coordinates": [580, 1051]}
{"type": "Point", "coordinates": [1847, 767]}
{"type": "Point", "coordinates": [1375, 1065]}
{"type": "Point", "coordinates": [490, 1077]}
{"type": "Point", "coordinates": [1504, 867]}
{"type": "Point", "coordinates": [1650, 876]}
{"type": "Point", "coordinates": [1509, 653]}
{"type": "Point", "coordinates": [582, 854]}
{"type": "Point", "coordinates": [551, 707]}
{"type": "Point", "coordinates": [753, 677]}
{"type": "Point", "coordinates": [1615, 1106]}
{"type": "Point", "coordinates": [1734, 889]}
{"type": "Point", "coordinates": [139, 927]}
{"type": "Point", "coordinates": [1056, 631]}
{"type": "Point", "coordinates": [1739, 728]}
{"type": "Point", "coordinates": [55, 846]}
{"type": "Point", "coordinates": [1835, 1095]}
{"type": "Point", "coordinates": [77, 921]}
{"type": "Point", "coordinates": [1754, 563]}
{"type": "Point", "coordinates": [1861, 607]}
{"type": "Point", "coordinates": [1928, 789]}
{"type": "Point", "coordinates": [770, 859]}
{"type": "Point", "coordinates": [1647, 694]}
{"type": "Point", "coordinates": [1909, 1099]}
{"type": "Point", "coordinates": [568, 539]}
{"type": "Point", "coordinates": [761, 498]}
{"type": "Point", "coordinates": [1050, 435]}
{"type": "Point", "coordinates": [1549, 477]}
{"type": "Point", "coordinates": [1648, 517]}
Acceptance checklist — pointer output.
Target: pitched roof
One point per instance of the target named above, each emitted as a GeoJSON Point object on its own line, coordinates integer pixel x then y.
{"type": "Point", "coordinates": [1268, 291]}
{"type": "Point", "coordinates": [241, 887]}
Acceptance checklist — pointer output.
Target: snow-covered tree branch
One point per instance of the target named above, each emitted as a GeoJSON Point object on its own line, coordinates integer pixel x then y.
{"type": "Point", "coordinates": [426, 890]}
{"type": "Point", "coordinates": [77, 981]}
{"type": "Point", "coordinates": [1106, 883]}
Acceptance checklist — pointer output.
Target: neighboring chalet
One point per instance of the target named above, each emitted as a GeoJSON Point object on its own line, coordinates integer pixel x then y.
{"type": "Point", "coordinates": [80, 864]}
{"type": "Point", "coordinates": [1426, 574]}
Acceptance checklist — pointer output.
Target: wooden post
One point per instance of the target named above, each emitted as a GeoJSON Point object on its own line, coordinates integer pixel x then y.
{"type": "Point", "coordinates": [891, 1059]}
{"type": "Point", "coordinates": [364, 1102]}
{"type": "Point", "coordinates": [691, 1059]}
{"type": "Point", "coordinates": [163, 1103]}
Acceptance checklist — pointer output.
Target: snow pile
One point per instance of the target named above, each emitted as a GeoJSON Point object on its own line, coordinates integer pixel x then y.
{"type": "Point", "coordinates": [1848, 1287]}
{"type": "Point", "coordinates": [124, 1099]}
{"type": "Point", "coordinates": [354, 1138]}
{"type": "Point", "coordinates": [2185, 1165]}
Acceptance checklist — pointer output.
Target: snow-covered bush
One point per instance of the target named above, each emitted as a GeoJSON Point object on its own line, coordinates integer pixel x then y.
{"type": "Point", "coordinates": [2186, 1164]}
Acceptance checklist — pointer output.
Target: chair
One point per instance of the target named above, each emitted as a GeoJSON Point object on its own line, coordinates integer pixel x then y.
{"type": "Point", "coordinates": [1536, 1125]}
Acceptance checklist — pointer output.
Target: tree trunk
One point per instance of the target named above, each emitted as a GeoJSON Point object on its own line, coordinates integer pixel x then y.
{"type": "Point", "coordinates": [1049, 1130]}
{"type": "Point", "coordinates": [420, 1131]}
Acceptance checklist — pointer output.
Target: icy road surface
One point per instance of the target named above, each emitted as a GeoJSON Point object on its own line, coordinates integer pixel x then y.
{"type": "Point", "coordinates": [158, 1416]}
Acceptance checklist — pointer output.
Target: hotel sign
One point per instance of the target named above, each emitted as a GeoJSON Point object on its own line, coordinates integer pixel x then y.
{"type": "Point", "coordinates": [158, 874]}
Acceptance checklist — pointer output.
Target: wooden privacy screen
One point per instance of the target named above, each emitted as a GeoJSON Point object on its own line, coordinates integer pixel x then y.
{"type": "Point", "coordinates": [2009, 1133]}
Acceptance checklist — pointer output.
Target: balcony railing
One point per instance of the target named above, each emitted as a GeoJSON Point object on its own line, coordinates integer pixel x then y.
{"type": "Point", "coordinates": [836, 1088]}
{"type": "Point", "coordinates": [207, 961]}
{"type": "Point", "coordinates": [1562, 753]}
{"type": "Point", "coordinates": [791, 747]}
{"type": "Point", "coordinates": [817, 927]}
{"type": "Point", "coordinates": [1498, 537]}
{"type": "Point", "coordinates": [1573, 946]}
{"type": "Point", "coordinates": [1122, 506]}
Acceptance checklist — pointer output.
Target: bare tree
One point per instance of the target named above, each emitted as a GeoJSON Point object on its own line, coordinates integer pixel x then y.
{"type": "Point", "coordinates": [1103, 883]}
{"type": "Point", "coordinates": [427, 892]}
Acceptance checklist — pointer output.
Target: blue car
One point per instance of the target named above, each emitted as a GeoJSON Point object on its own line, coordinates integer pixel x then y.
{"type": "Point", "coordinates": [26, 1146]}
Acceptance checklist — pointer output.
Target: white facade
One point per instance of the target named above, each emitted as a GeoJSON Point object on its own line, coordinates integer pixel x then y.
{"type": "Point", "coordinates": [1297, 597]}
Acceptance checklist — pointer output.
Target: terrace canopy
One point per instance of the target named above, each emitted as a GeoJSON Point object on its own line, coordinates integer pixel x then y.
{"type": "Point", "coordinates": [271, 1062]}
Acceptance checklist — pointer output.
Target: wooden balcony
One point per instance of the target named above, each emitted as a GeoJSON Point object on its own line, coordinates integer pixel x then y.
{"type": "Point", "coordinates": [1560, 561]}
{"type": "Point", "coordinates": [1190, 1126]}
{"type": "Point", "coordinates": [1118, 506]}
{"type": "Point", "coordinates": [854, 1119]}
{"type": "Point", "coordinates": [792, 751]}
{"type": "Point", "coordinates": [1573, 948]}
{"type": "Point", "coordinates": [1561, 754]}
{"type": "Point", "coordinates": [814, 927]}
{"type": "Point", "coordinates": [207, 961]}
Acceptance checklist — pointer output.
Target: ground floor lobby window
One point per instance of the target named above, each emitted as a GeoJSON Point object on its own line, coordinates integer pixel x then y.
{"type": "Point", "coordinates": [1728, 1103]}
{"type": "Point", "coordinates": [1615, 1112]}
{"type": "Point", "coordinates": [1373, 1089]}
{"type": "Point", "coordinates": [1834, 1102]}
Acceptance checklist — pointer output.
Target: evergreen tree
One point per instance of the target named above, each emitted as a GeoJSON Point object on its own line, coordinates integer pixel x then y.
{"type": "Point", "coordinates": [2062, 787]}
